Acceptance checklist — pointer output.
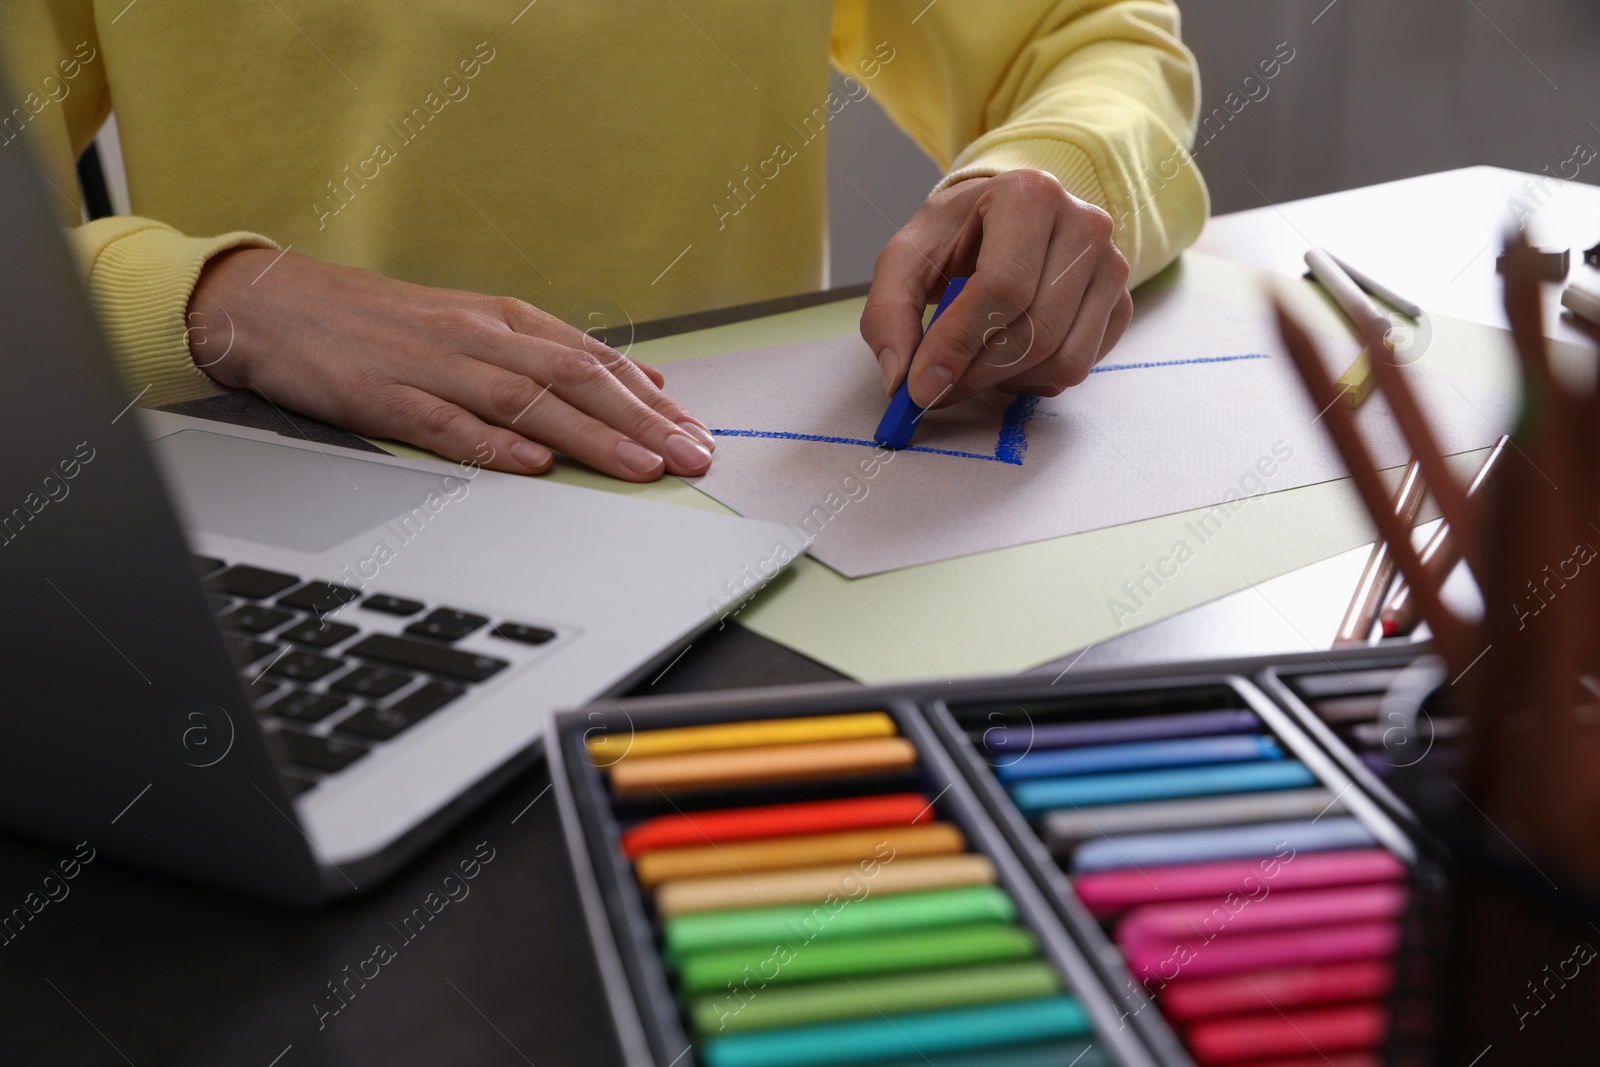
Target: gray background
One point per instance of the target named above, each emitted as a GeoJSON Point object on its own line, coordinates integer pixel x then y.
{"type": "Point", "coordinates": [1377, 90]}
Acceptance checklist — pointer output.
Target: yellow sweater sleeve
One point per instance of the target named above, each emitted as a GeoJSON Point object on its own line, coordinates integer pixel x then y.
{"type": "Point", "coordinates": [1100, 93]}
{"type": "Point", "coordinates": [139, 273]}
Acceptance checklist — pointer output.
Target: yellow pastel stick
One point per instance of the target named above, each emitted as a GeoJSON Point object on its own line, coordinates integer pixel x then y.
{"type": "Point", "coordinates": [1356, 382]}
{"type": "Point", "coordinates": [761, 766]}
{"type": "Point", "coordinates": [805, 850]}
{"type": "Point", "coordinates": [806, 885]}
{"type": "Point", "coordinates": [606, 749]}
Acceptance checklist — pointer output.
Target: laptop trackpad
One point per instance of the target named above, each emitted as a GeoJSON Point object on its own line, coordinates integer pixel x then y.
{"type": "Point", "coordinates": [300, 499]}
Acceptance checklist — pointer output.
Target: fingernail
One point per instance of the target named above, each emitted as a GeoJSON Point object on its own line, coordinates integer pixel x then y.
{"type": "Point", "coordinates": [699, 433]}
{"type": "Point", "coordinates": [930, 385]}
{"type": "Point", "coordinates": [686, 454]}
{"type": "Point", "coordinates": [637, 458]}
{"type": "Point", "coordinates": [889, 363]}
{"type": "Point", "coordinates": [530, 456]}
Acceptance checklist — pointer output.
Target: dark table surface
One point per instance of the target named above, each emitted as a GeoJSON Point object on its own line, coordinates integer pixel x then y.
{"type": "Point", "coordinates": [130, 968]}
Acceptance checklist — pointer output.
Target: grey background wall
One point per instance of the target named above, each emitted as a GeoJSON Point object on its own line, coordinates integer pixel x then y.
{"type": "Point", "coordinates": [1377, 90]}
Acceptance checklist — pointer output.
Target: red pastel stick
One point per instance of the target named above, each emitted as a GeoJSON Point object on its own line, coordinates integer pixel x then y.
{"type": "Point", "coordinates": [775, 820]}
{"type": "Point", "coordinates": [1354, 1028]}
{"type": "Point", "coordinates": [1200, 921]}
{"type": "Point", "coordinates": [1108, 893]}
{"type": "Point", "coordinates": [1260, 952]}
{"type": "Point", "coordinates": [1337, 1059]}
{"type": "Point", "coordinates": [1290, 987]}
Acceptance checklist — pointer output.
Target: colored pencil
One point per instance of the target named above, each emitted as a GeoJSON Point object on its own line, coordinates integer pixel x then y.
{"type": "Point", "coordinates": [1111, 892]}
{"type": "Point", "coordinates": [1141, 755]}
{"type": "Point", "coordinates": [1362, 614]}
{"type": "Point", "coordinates": [606, 749]}
{"type": "Point", "coordinates": [1068, 827]}
{"type": "Point", "coordinates": [773, 820]}
{"type": "Point", "coordinates": [1009, 739]}
{"type": "Point", "coordinates": [761, 766]}
{"type": "Point", "coordinates": [807, 884]}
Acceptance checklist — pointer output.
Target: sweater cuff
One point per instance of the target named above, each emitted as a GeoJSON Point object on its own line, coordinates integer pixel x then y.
{"type": "Point", "coordinates": [1070, 165]}
{"type": "Point", "coordinates": [140, 277]}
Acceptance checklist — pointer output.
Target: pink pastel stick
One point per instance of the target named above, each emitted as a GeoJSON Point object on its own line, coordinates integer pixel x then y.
{"type": "Point", "coordinates": [1200, 921]}
{"type": "Point", "coordinates": [1258, 952]}
{"type": "Point", "coordinates": [1108, 893]}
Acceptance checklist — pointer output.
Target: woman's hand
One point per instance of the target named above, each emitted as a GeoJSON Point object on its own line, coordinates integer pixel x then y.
{"type": "Point", "coordinates": [463, 375]}
{"type": "Point", "coordinates": [1046, 300]}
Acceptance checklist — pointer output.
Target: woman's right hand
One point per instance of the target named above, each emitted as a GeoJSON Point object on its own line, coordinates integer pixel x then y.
{"type": "Point", "coordinates": [487, 379]}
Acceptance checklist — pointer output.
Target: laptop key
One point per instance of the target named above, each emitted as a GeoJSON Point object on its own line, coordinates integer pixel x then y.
{"type": "Point", "coordinates": [302, 705]}
{"type": "Point", "coordinates": [370, 681]}
{"type": "Point", "coordinates": [253, 582]}
{"type": "Point", "coordinates": [384, 723]}
{"type": "Point", "coordinates": [317, 634]}
{"type": "Point", "coordinates": [446, 624]}
{"type": "Point", "coordinates": [528, 635]}
{"type": "Point", "coordinates": [318, 597]}
{"type": "Point", "coordinates": [207, 565]}
{"type": "Point", "coordinates": [320, 753]}
{"type": "Point", "coordinates": [219, 604]}
{"type": "Point", "coordinates": [422, 656]}
{"type": "Point", "coordinates": [246, 650]}
{"type": "Point", "coordinates": [391, 605]}
{"type": "Point", "coordinates": [303, 666]}
{"type": "Point", "coordinates": [255, 618]}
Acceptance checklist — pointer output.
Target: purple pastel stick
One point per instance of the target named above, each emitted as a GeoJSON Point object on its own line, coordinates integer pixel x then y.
{"type": "Point", "coordinates": [1025, 738]}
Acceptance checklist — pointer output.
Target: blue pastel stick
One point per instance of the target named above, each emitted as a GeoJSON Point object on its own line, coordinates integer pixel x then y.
{"type": "Point", "coordinates": [1218, 779]}
{"type": "Point", "coordinates": [1103, 759]}
{"type": "Point", "coordinates": [1220, 843]}
{"type": "Point", "coordinates": [900, 420]}
{"type": "Point", "coordinates": [1111, 731]}
{"type": "Point", "coordinates": [911, 1036]}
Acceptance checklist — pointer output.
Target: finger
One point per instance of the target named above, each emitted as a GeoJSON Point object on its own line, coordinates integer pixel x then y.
{"type": "Point", "coordinates": [520, 378]}
{"type": "Point", "coordinates": [904, 281]}
{"type": "Point", "coordinates": [1011, 259]}
{"type": "Point", "coordinates": [446, 429]}
{"type": "Point", "coordinates": [645, 383]}
{"type": "Point", "coordinates": [1120, 317]}
{"type": "Point", "coordinates": [1039, 332]}
{"type": "Point", "coordinates": [1070, 364]}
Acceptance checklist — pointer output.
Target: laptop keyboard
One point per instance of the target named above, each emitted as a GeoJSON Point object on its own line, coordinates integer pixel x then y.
{"type": "Point", "coordinates": [330, 691]}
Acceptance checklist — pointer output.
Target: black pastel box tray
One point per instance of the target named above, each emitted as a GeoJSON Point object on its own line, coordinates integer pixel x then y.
{"type": "Point", "coordinates": [651, 1024]}
{"type": "Point", "coordinates": [966, 718]}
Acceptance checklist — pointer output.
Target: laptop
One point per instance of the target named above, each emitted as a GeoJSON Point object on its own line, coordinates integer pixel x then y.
{"type": "Point", "coordinates": [283, 668]}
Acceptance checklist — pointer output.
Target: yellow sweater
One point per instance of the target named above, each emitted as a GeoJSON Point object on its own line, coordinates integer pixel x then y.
{"type": "Point", "coordinates": [659, 156]}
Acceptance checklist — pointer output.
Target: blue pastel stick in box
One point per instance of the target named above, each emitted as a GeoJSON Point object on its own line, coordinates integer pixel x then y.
{"type": "Point", "coordinates": [1027, 738]}
{"type": "Point", "coordinates": [1143, 755]}
{"type": "Point", "coordinates": [1047, 794]}
{"type": "Point", "coordinates": [1121, 851]}
{"type": "Point", "coordinates": [900, 419]}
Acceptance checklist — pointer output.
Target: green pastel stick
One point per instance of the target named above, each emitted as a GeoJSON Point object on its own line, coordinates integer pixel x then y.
{"type": "Point", "coordinates": [799, 924]}
{"type": "Point", "coordinates": [757, 967]}
{"type": "Point", "coordinates": [925, 1034]}
{"type": "Point", "coordinates": [817, 1002]}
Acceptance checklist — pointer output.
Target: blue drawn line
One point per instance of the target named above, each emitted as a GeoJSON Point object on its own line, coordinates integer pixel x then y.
{"type": "Point", "coordinates": [1013, 440]}
{"type": "Point", "coordinates": [1179, 362]}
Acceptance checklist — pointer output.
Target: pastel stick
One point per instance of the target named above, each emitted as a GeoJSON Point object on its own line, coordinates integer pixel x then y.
{"type": "Point", "coordinates": [1047, 794]}
{"type": "Point", "coordinates": [1140, 755]}
{"type": "Point", "coordinates": [1065, 828]}
{"type": "Point", "coordinates": [1220, 843]}
{"type": "Point", "coordinates": [1113, 731]}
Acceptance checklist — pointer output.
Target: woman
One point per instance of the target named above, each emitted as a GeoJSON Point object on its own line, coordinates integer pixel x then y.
{"type": "Point", "coordinates": [326, 189]}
